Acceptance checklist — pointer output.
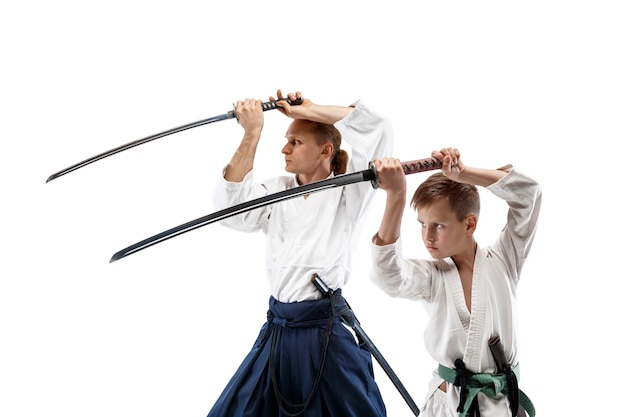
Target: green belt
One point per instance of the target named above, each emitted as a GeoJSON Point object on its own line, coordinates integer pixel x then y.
{"type": "Point", "coordinates": [489, 384]}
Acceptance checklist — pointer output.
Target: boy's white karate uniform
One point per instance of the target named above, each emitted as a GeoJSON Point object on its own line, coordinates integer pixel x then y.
{"type": "Point", "coordinates": [452, 331]}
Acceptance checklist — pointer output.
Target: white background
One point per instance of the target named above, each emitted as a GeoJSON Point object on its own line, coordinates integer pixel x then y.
{"type": "Point", "coordinates": [539, 84]}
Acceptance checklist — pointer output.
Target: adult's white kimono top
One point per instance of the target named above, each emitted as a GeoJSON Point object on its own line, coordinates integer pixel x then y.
{"type": "Point", "coordinates": [318, 234]}
{"type": "Point", "coordinates": [452, 332]}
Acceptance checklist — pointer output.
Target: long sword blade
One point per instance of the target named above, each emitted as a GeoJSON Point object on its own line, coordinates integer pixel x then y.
{"type": "Point", "coordinates": [411, 167]}
{"type": "Point", "coordinates": [229, 115]}
{"type": "Point", "coordinates": [349, 318]}
{"type": "Point", "coordinates": [386, 367]}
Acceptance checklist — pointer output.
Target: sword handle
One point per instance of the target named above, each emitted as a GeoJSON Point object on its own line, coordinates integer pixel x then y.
{"type": "Point", "coordinates": [268, 105]}
{"type": "Point", "coordinates": [271, 105]}
{"type": "Point", "coordinates": [320, 285]}
{"type": "Point", "coordinates": [421, 165]}
{"type": "Point", "coordinates": [409, 167]}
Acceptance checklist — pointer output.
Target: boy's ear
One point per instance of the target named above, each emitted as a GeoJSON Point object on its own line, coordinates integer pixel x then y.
{"type": "Point", "coordinates": [470, 223]}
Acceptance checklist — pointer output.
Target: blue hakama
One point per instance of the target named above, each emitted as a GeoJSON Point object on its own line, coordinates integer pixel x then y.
{"type": "Point", "coordinates": [297, 368]}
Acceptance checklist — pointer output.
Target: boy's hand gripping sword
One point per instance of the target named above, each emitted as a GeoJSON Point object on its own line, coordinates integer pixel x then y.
{"type": "Point", "coordinates": [270, 105]}
{"type": "Point", "coordinates": [411, 167]}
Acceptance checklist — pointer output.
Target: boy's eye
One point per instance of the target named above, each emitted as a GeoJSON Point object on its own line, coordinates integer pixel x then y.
{"type": "Point", "coordinates": [435, 225]}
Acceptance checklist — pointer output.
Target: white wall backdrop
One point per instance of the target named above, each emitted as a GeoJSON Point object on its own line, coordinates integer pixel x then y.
{"type": "Point", "coordinates": [539, 84]}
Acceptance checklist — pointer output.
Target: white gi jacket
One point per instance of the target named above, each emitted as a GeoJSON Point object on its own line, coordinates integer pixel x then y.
{"type": "Point", "coordinates": [452, 332]}
{"type": "Point", "coordinates": [317, 234]}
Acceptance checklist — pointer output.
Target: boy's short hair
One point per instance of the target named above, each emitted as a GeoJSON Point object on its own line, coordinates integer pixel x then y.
{"type": "Point", "coordinates": [463, 198]}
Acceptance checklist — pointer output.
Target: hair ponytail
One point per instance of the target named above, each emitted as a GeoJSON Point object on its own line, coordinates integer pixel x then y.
{"type": "Point", "coordinates": [340, 162]}
{"type": "Point", "coordinates": [327, 133]}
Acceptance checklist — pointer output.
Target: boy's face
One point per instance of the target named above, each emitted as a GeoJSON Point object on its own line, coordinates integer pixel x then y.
{"type": "Point", "coordinates": [443, 234]}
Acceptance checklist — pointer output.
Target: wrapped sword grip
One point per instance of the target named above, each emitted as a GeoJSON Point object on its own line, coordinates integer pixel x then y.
{"type": "Point", "coordinates": [268, 105]}
{"type": "Point", "coordinates": [409, 167]}
{"type": "Point", "coordinates": [271, 105]}
{"type": "Point", "coordinates": [420, 165]}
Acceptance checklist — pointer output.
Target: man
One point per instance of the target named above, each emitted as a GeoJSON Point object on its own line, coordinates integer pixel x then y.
{"type": "Point", "coordinates": [305, 361]}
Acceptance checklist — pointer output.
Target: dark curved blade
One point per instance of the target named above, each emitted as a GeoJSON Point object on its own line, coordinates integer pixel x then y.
{"type": "Point", "coordinates": [135, 143]}
{"type": "Point", "coordinates": [229, 115]}
{"type": "Point", "coordinates": [340, 180]}
{"type": "Point", "coordinates": [409, 167]}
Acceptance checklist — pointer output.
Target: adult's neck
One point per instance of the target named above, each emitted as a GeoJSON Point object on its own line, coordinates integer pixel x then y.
{"type": "Point", "coordinates": [304, 179]}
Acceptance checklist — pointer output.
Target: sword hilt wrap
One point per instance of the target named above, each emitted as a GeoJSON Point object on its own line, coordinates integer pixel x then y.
{"type": "Point", "coordinates": [271, 105]}
{"type": "Point", "coordinates": [268, 105]}
{"type": "Point", "coordinates": [421, 165]}
{"type": "Point", "coordinates": [409, 167]}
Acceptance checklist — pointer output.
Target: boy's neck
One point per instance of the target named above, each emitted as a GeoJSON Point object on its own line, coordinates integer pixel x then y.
{"type": "Point", "coordinates": [465, 260]}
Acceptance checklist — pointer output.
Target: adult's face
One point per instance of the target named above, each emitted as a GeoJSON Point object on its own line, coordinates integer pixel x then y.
{"type": "Point", "coordinates": [303, 155]}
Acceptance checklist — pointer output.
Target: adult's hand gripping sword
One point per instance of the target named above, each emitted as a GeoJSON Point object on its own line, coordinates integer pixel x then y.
{"type": "Point", "coordinates": [411, 167]}
{"type": "Point", "coordinates": [270, 105]}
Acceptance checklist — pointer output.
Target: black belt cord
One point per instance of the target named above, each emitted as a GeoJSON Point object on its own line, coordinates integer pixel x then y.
{"type": "Point", "coordinates": [462, 375]}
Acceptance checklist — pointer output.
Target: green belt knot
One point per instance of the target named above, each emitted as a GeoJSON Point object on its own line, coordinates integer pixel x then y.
{"type": "Point", "coordinates": [488, 384]}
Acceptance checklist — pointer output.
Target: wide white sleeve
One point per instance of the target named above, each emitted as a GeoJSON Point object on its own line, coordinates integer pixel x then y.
{"type": "Point", "coordinates": [399, 277]}
{"type": "Point", "coordinates": [369, 135]}
{"type": "Point", "coordinates": [227, 194]}
{"type": "Point", "coordinates": [523, 196]}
